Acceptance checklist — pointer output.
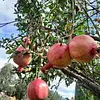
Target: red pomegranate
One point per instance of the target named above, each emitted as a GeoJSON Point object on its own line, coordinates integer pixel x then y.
{"type": "Point", "coordinates": [58, 55]}
{"type": "Point", "coordinates": [37, 90]}
{"type": "Point", "coordinates": [22, 58]}
{"type": "Point", "coordinates": [82, 48]}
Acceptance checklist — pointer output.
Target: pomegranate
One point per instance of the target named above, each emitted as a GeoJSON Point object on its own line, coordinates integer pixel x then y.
{"type": "Point", "coordinates": [37, 90]}
{"type": "Point", "coordinates": [22, 58]}
{"type": "Point", "coordinates": [82, 48]}
{"type": "Point", "coordinates": [58, 57]}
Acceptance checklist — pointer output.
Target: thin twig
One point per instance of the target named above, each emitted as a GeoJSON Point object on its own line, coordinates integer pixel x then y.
{"type": "Point", "coordinates": [92, 1]}
{"type": "Point", "coordinates": [93, 9]}
{"type": "Point", "coordinates": [89, 18]}
{"type": "Point", "coordinates": [84, 20]}
{"type": "Point", "coordinates": [48, 29]}
{"type": "Point", "coordinates": [72, 29]}
{"type": "Point", "coordinates": [91, 5]}
{"type": "Point", "coordinates": [4, 24]}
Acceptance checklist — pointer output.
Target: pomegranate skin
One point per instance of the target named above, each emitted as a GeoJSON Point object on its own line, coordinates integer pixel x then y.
{"type": "Point", "coordinates": [59, 55]}
{"type": "Point", "coordinates": [82, 48]}
{"type": "Point", "coordinates": [37, 90]}
{"type": "Point", "coordinates": [22, 60]}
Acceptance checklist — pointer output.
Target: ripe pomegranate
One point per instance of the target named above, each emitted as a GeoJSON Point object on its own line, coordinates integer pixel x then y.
{"type": "Point", "coordinates": [37, 90]}
{"type": "Point", "coordinates": [82, 48]}
{"type": "Point", "coordinates": [22, 58]}
{"type": "Point", "coordinates": [58, 57]}
{"type": "Point", "coordinates": [26, 41]}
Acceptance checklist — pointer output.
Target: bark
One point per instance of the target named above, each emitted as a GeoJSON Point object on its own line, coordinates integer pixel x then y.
{"type": "Point", "coordinates": [89, 84]}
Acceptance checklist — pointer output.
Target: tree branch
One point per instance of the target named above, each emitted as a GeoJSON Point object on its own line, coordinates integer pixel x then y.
{"type": "Point", "coordinates": [92, 9]}
{"type": "Point", "coordinates": [72, 28]}
{"type": "Point", "coordinates": [92, 1]}
{"type": "Point", "coordinates": [95, 38]}
{"type": "Point", "coordinates": [95, 88]}
{"type": "Point", "coordinates": [92, 6]}
{"type": "Point", "coordinates": [89, 18]}
{"type": "Point", "coordinates": [80, 73]}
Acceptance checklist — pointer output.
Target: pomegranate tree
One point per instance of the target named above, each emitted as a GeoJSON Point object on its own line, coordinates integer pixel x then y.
{"type": "Point", "coordinates": [37, 90]}
{"type": "Point", "coordinates": [83, 48]}
{"type": "Point", "coordinates": [22, 57]}
{"type": "Point", "coordinates": [58, 56]}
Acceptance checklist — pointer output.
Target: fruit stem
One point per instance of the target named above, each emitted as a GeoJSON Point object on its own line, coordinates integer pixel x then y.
{"type": "Point", "coordinates": [46, 67]}
{"type": "Point", "coordinates": [60, 44]}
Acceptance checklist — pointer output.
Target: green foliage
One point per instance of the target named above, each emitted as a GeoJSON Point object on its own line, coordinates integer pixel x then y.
{"type": "Point", "coordinates": [7, 79]}
{"type": "Point", "coordinates": [5, 97]}
{"type": "Point", "coordinates": [84, 94]}
{"type": "Point", "coordinates": [53, 95]}
{"type": "Point", "coordinates": [10, 84]}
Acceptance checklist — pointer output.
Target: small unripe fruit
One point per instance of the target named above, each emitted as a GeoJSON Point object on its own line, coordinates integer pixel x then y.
{"type": "Point", "coordinates": [82, 48]}
{"type": "Point", "coordinates": [37, 90]}
{"type": "Point", "coordinates": [26, 41]}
